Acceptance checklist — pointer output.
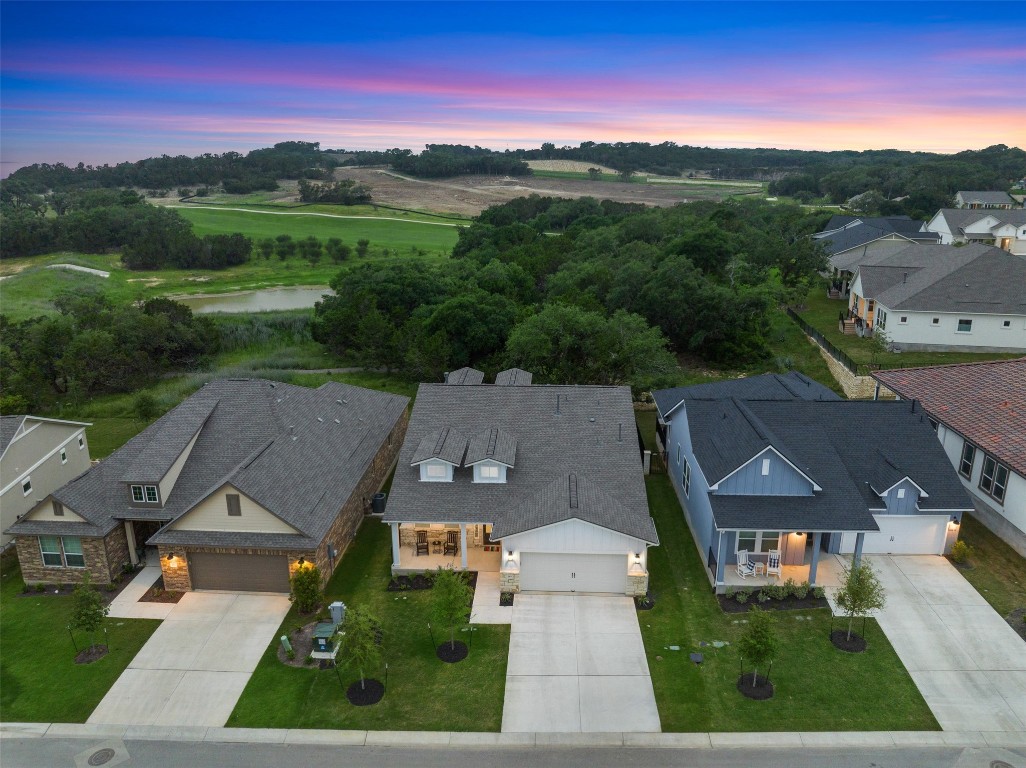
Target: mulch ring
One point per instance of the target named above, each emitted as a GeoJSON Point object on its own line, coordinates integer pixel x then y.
{"type": "Point", "coordinates": [449, 654]}
{"type": "Point", "coordinates": [89, 655]}
{"type": "Point", "coordinates": [644, 602]}
{"type": "Point", "coordinates": [731, 605]}
{"type": "Point", "coordinates": [839, 637]}
{"type": "Point", "coordinates": [365, 694]}
{"type": "Point", "coordinates": [506, 599]}
{"type": "Point", "coordinates": [417, 581]}
{"type": "Point", "coordinates": [762, 690]}
{"type": "Point", "coordinates": [1017, 621]}
{"type": "Point", "coordinates": [157, 593]}
{"type": "Point", "coordinates": [302, 644]}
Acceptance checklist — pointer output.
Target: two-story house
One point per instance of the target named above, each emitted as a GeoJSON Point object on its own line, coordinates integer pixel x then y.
{"type": "Point", "coordinates": [780, 463]}
{"type": "Point", "coordinates": [544, 484]}
{"type": "Point", "coordinates": [1004, 228]}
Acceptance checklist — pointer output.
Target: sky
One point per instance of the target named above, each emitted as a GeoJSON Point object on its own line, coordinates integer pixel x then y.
{"type": "Point", "coordinates": [106, 82]}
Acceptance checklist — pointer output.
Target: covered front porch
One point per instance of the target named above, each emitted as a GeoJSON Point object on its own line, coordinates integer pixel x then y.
{"type": "Point", "coordinates": [829, 573]}
{"type": "Point", "coordinates": [419, 547]}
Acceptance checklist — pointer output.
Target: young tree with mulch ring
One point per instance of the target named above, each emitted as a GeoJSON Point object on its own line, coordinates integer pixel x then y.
{"type": "Point", "coordinates": [450, 606]}
{"type": "Point", "coordinates": [360, 647]}
{"type": "Point", "coordinates": [860, 593]}
{"type": "Point", "coordinates": [88, 613]}
{"type": "Point", "coordinates": [757, 645]}
{"type": "Point", "coordinates": [306, 588]}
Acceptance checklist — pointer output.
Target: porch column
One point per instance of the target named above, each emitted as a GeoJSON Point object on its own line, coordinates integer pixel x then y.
{"type": "Point", "coordinates": [395, 544]}
{"type": "Point", "coordinates": [463, 545]}
{"type": "Point", "coordinates": [130, 535]}
{"type": "Point", "coordinates": [721, 556]}
{"type": "Point", "coordinates": [817, 539]}
{"type": "Point", "coordinates": [856, 559]}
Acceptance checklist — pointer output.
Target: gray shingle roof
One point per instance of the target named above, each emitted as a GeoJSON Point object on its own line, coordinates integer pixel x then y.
{"type": "Point", "coordinates": [592, 435]}
{"type": "Point", "coordinates": [8, 429]}
{"type": "Point", "coordinates": [845, 233]}
{"type": "Point", "coordinates": [512, 377]}
{"type": "Point", "coordinates": [464, 376]}
{"type": "Point", "coordinates": [768, 386]}
{"type": "Point", "coordinates": [495, 444]}
{"type": "Point", "coordinates": [987, 197]}
{"type": "Point", "coordinates": [156, 457]}
{"type": "Point", "coordinates": [446, 444]}
{"type": "Point", "coordinates": [958, 219]}
{"type": "Point", "coordinates": [296, 451]}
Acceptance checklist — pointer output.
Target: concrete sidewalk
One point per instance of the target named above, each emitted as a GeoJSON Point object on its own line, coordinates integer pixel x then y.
{"type": "Point", "coordinates": [127, 606]}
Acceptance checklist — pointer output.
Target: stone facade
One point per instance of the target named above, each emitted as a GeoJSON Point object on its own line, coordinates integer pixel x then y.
{"type": "Point", "coordinates": [176, 571]}
{"type": "Point", "coordinates": [855, 387]}
{"type": "Point", "coordinates": [104, 560]}
{"type": "Point", "coordinates": [509, 581]}
{"type": "Point", "coordinates": [637, 584]}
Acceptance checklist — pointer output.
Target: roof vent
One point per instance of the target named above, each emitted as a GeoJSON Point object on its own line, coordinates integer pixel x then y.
{"type": "Point", "coordinates": [557, 404]}
{"type": "Point", "coordinates": [904, 277]}
{"type": "Point", "coordinates": [591, 419]}
{"type": "Point", "coordinates": [319, 419]}
{"type": "Point", "coordinates": [337, 421]}
{"type": "Point", "coordinates": [573, 491]}
{"type": "Point", "coordinates": [619, 438]}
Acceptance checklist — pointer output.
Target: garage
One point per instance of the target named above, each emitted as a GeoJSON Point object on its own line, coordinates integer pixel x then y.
{"type": "Point", "coordinates": [902, 535]}
{"type": "Point", "coordinates": [239, 573]}
{"type": "Point", "coordinates": [571, 572]}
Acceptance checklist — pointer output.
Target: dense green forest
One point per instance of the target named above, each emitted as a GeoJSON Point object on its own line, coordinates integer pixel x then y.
{"type": "Point", "coordinates": [607, 300]}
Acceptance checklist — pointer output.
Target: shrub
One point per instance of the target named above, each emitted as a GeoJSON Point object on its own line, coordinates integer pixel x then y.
{"type": "Point", "coordinates": [764, 595]}
{"type": "Point", "coordinates": [742, 595]}
{"type": "Point", "coordinates": [40, 587]}
{"type": "Point", "coordinates": [306, 588]}
{"type": "Point", "coordinates": [790, 588]}
{"type": "Point", "coordinates": [818, 593]}
{"type": "Point", "coordinates": [730, 592]}
{"type": "Point", "coordinates": [961, 552]}
{"type": "Point", "coordinates": [776, 591]}
{"type": "Point", "coordinates": [291, 654]}
{"type": "Point", "coordinates": [801, 591]}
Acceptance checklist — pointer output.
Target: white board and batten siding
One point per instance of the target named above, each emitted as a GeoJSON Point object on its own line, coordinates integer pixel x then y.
{"type": "Point", "coordinates": [902, 535]}
{"type": "Point", "coordinates": [211, 514]}
{"type": "Point", "coordinates": [574, 536]}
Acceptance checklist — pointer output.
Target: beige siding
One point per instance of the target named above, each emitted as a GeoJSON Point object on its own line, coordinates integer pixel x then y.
{"type": "Point", "coordinates": [211, 514]}
{"type": "Point", "coordinates": [167, 484]}
{"type": "Point", "coordinates": [44, 511]}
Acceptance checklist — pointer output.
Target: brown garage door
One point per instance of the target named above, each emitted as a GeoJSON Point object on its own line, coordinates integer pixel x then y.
{"type": "Point", "coordinates": [239, 573]}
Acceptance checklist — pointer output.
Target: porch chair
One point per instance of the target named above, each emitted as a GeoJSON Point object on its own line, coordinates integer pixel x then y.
{"type": "Point", "coordinates": [773, 563]}
{"type": "Point", "coordinates": [422, 543]}
{"type": "Point", "coordinates": [452, 543]}
{"type": "Point", "coordinates": [745, 567]}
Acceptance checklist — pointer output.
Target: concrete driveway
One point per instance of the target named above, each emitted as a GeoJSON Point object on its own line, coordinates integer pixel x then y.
{"type": "Point", "coordinates": [577, 664]}
{"type": "Point", "coordinates": [967, 662]}
{"type": "Point", "coordinates": [193, 668]}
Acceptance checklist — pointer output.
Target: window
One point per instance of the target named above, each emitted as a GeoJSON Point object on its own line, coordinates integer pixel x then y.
{"type": "Point", "coordinates": [1007, 324]}
{"type": "Point", "coordinates": [936, 321]}
{"type": "Point", "coordinates": [234, 508]}
{"type": "Point", "coordinates": [870, 306]}
{"type": "Point", "coordinates": [881, 319]}
{"type": "Point", "coordinates": [137, 494]}
{"type": "Point", "coordinates": [685, 479]}
{"type": "Point", "coordinates": [765, 467]}
{"type": "Point", "coordinates": [489, 472]}
{"type": "Point", "coordinates": [994, 478]}
{"type": "Point", "coordinates": [58, 509]}
{"type": "Point", "coordinates": [81, 442]}
{"type": "Point", "coordinates": [933, 423]}
{"type": "Point", "coordinates": [757, 541]}
{"type": "Point", "coordinates": [901, 493]}
{"type": "Point", "coordinates": [436, 471]}
{"type": "Point", "coordinates": [26, 486]}
{"type": "Point", "coordinates": [64, 456]}
{"type": "Point", "coordinates": [678, 453]}
{"type": "Point", "coordinates": [151, 494]}
{"type": "Point", "coordinates": [965, 464]}
{"type": "Point", "coordinates": [62, 552]}
{"type": "Point", "coordinates": [903, 320]}
{"type": "Point", "coordinates": [965, 325]}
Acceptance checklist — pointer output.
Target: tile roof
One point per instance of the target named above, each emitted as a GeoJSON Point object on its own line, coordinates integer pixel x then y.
{"type": "Point", "coordinates": [984, 402]}
{"type": "Point", "coordinates": [592, 435]}
{"type": "Point", "coordinates": [296, 451]}
{"type": "Point", "coordinates": [513, 376]}
{"type": "Point", "coordinates": [464, 376]}
{"type": "Point", "coordinates": [495, 444]}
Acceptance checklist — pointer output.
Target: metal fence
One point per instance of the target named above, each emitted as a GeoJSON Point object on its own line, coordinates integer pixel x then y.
{"type": "Point", "coordinates": [820, 339]}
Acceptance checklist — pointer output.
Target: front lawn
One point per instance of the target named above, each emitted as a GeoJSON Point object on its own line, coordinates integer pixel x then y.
{"type": "Point", "coordinates": [422, 693]}
{"type": "Point", "coordinates": [817, 687]}
{"type": "Point", "coordinates": [39, 679]}
{"type": "Point", "coordinates": [998, 572]}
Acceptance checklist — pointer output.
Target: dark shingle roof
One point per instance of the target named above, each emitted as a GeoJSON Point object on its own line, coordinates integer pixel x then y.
{"type": "Point", "coordinates": [512, 377]}
{"type": "Point", "coordinates": [8, 429]}
{"type": "Point", "coordinates": [464, 376]}
{"type": "Point", "coordinates": [958, 219]}
{"type": "Point", "coordinates": [987, 197]}
{"type": "Point", "coordinates": [298, 452]}
{"type": "Point", "coordinates": [154, 460]}
{"type": "Point", "coordinates": [768, 386]}
{"type": "Point", "coordinates": [592, 435]}
{"type": "Point", "coordinates": [446, 444]}
{"type": "Point", "coordinates": [495, 444]}
{"type": "Point", "coordinates": [984, 402]}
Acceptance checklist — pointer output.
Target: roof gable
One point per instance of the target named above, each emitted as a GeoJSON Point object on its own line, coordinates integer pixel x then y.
{"type": "Point", "coordinates": [445, 444]}
{"type": "Point", "coordinates": [464, 376]}
{"type": "Point", "coordinates": [495, 445]}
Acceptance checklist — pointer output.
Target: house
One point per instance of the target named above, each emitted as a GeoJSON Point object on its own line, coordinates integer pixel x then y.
{"type": "Point", "coordinates": [242, 483]}
{"type": "Point", "coordinates": [991, 199]}
{"type": "Point", "coordinates": [543, 484]}
{"type": "Point", "coordinates": [779, 462]}
{"type": "Point", "coordinates": [979, 410]}
{"type": "Point", "coordinates": [942, 298]}
{"type": "Point", "coordinates": [1003, 228]}
{"type": "Point", "coordinates": [37, 456]}
{"type": "Point", "coordinates": [852, 240]}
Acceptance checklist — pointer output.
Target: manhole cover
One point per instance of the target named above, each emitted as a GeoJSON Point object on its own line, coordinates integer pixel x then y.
{"type": "Point", "coordinates": [104, 756]}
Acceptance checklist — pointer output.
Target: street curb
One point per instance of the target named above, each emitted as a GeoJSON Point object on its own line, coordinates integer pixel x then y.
{"type": "Point", "coordinates": [769, 740]}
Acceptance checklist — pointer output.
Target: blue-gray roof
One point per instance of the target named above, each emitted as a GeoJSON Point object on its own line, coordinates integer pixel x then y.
{"type": "Point", "coordinates": [768, 386]}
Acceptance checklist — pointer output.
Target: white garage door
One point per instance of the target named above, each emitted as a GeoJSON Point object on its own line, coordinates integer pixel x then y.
{"type": "Point", "coordinates": [548, 572]}
{"type": "Point", "coordinates": [902, 535]}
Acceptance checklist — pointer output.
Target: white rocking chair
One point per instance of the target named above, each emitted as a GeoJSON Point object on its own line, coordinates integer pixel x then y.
{"type": "Point", "coordinates": [773, 563]}
{"type": "Point", "coordinates": [745, 567]}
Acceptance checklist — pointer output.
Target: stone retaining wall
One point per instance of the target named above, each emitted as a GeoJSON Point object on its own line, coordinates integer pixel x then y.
{"type": "Point", "coordinates": [855, 387]}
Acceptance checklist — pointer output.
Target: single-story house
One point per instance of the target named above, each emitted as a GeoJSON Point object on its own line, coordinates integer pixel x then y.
{"type": "Point", "coordinates": [982, 200]}
{"type": "Point", "coordinates": [1002, 228]}
{"type": "Point", "coordinates": [942, 298]}
{"type": "Point", "coordinates": [543, 484]}
{"type": "Point", "coordinates": [37, 456]}
{"type": "Point", "coordinates": [780, 463]}
{"type": "Point", "coordinates": [235, 488]}
{"type": "Point", "coordinates": [979, 411]}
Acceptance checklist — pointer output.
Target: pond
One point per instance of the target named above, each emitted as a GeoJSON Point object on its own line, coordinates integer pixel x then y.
{"type": "Point", "coordinates": [266, 300]}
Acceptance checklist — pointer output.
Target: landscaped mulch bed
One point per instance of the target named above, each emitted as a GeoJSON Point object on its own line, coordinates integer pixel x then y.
{"type": "Point", "coordinates": [840, 639]}
{"type": "Point", "coordinates": [644, 602]}
{"type": "Point", "coordinates": [423, 581]}
{"type": "Point", "coordinates": [89, 655]}
{"type": "Point", "coordinates": [157, 594]}
{"type": "Point", "coordinates": [506, 599]}
{"type": "Point", "coordinates": [302, 645]}
{"type": "Point", "coordinates": [730, 605]}
{"type": "Point", "coordinates": [450, 654]}
{"type": "Point", "coordinates": [58, 590]}
{"type": "Point", "coordinates": [762, 690]}
{"type": "Point", "coordinates": [370, 692]}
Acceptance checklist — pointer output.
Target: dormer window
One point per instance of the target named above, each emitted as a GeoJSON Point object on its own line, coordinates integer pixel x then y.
{"type": "Point", "coordinates": [145, 494]}
{"type": "Point", "coordinates": [489, 472]}
{"type": "Point", "coordinates": [436, 472]}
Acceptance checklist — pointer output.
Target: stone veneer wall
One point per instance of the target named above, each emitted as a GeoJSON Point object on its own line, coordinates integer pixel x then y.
{"type": "Point", "coordinates": [637, 584]}
{"type": "Point", "coordinates": [509, 581]}
{"type": "Point", "coordinates": [177, 578]}
{"type": "Point", "coordinates": [855, 387]}
{"type": "Point", "coordinates": [104, 559]}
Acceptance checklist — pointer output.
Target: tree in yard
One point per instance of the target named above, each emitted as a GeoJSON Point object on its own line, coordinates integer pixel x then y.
{"type": "Point", "coordinates": [146, 406]}
{"type": "Point", "coordinates": [306, 588]}
{"type": "Point", "coordinates": [594, 174]}
{"type": "Point", "coordinates": [360, 641]}
{"type": "Point", "coordinates": [860, 593]}
{"type": "Point", "coordinates": [450, 601]}
{"type": "Point", "coordinates": [757, 643]}
{"type": "Point", "coordinates": [88, 610]}
{"type": "Point", "coordinates": [361, 247]}
{"type": "Point", "coordinates": [337, 250]}
{"type": "Point", "coordinates": [284, 246]}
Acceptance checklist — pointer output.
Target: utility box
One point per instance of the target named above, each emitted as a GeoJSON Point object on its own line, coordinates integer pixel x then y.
{"type": "Point", "coordinates": [338, 612]}
{"type": "Point", "coordinates": [324, 639]}
{"type": "Point", "coordinates": [378, 503]}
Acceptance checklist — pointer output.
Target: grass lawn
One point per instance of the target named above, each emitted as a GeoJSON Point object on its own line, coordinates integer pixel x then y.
{"type": "Point", "coordinates": [817, 686]}
{"type": "Point", "coordinates": [107, 434]}
{"type": "Point", "coordinates": [422, 692]}
{"type": "Point", "coordinates": [39, 679]}
{"type": "Point", "coordinates": [998, 572]}
{"type": "Point", "coordinates": [821, 313]}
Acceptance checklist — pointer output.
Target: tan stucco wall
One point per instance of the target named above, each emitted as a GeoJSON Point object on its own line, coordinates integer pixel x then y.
{"type": "Point", "coordinates": [211, 514]}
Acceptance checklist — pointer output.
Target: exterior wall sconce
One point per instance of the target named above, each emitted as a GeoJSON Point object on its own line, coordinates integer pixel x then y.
{"type": "Point", "coordinates": [509, 557]}
{"type": "Point", "coordinates": [302, 562]}
{"type": "Point", "coordinates": [955, 522]}
{"type": "Point", "coordinates": [171, 561]}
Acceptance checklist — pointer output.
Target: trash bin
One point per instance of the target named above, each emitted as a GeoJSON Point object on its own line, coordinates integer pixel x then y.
{"type": "Point", "coordinates": [378, 503]}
